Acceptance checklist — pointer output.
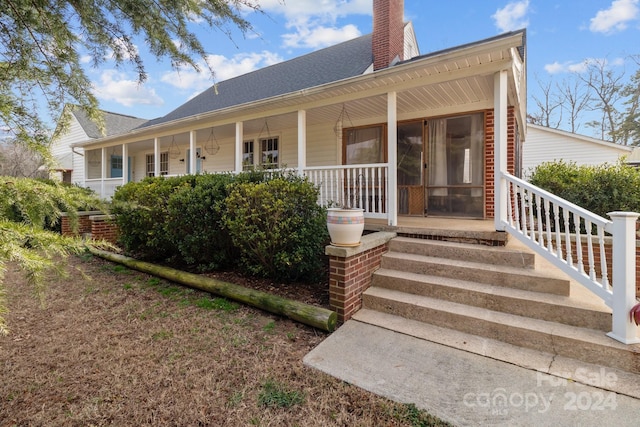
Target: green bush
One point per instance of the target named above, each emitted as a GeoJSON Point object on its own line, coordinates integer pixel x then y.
{"type": "Point", "coordinates": [194, 224]}
{"type": "Point", "coordinates": [600, 189]}
{"type": "Point", "coordinates": [268, 223]}
{"type": "Point", "coordinates": [142, 211]}
{"type": "Point", "coordinates": [278, 227]}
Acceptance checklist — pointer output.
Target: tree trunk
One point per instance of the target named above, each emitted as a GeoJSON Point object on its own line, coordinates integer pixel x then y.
{"type": "Point", "coordinates": [317, 317]}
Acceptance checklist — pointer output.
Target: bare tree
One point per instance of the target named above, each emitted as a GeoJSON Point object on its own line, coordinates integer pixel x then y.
{"type": "Point", "coordinates": [18, 160]}
{"type": "Point", "coordinates": [549, 107]}
{"type": "Point", "coordinates": [576, 100]}
{"type": "Point", "coordinates": [629, 131]}
{"type": "Point", "coordinates": [606, 89]}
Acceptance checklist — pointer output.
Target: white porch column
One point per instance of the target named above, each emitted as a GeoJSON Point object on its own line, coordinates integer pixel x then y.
{"type": "Point", "coordinates": [500, 148]}
{"type": "Point", "coordinates": [239, 143]}
{"type": "Point", "coordinates": [103, 171]}
{"type": "Point", "coordinates": [156, 157]}
{"type": "Point", "coordinates": [192, 152]}
{"type": "Point", "coordinates": [125, 164]}
{"type": "Point", "coordinates": [624, 276]}
{"type": "Point", "coordinates": [392, 155]}
{"type": "Point", "coordinates": [302, 141]}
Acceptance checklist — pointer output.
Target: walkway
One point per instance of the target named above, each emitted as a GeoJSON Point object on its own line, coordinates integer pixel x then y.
{"type": "Point", "coordinates": [469, 390]}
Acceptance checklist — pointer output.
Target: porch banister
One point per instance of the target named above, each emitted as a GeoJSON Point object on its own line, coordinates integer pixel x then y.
{"type": "Point", "coordinates": [624, 276]}
{"type": "Point", "coordinates": [192, 152]}
{"type": "Point", "coordinates": [500, 149]}
{"type": "Point", "coordinates": [156, 157]}
{"type": "Point", "coordinates": [302, 141]}
{"type": "Point", "coordinates": [103, 172]}
{"type": "Point", "coordinates": [239, 143]}
{"type": "Point", "coordinates": [392, 155]}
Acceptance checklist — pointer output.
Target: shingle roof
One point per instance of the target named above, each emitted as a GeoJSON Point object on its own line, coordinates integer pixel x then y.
{"type": "Point", "coordinates": [344, 60]}
{"type": "Point", "coordinates": [114, 123]}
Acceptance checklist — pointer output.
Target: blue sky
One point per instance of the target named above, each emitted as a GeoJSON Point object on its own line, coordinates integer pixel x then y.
{"type": "Point", "coordinates": [561, 35]}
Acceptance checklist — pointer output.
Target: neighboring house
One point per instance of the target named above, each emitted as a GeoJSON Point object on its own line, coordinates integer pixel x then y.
{"type": "Point", "coordinates": [370, 120]}
{"type": "Point", "coordinates": [546, 145]}
{"type": "Point", "coordinates": [70, 165]}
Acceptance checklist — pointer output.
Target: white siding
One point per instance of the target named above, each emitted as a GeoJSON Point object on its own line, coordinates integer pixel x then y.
{"type": "Point", "coordinates": [546, 145]}
{"type": "Point", "coordinates": [322, 146]}
{"type": "Point", "coordinates": [61, 151]}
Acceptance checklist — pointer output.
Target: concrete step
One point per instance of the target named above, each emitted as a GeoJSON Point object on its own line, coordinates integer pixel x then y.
{"type": "Point", "coordinates": [554, 308]}
{"type": "Point", "coordinates": [612, 379]}
{"type": "Point", "coordinates": [587, 345]}
{"type": "Point", "coordinates": [495, 255]}
{"type": "Point", "coordinates": [518, 278]}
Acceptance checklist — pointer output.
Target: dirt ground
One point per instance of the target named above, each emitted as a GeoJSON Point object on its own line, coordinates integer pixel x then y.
{"type": "Point", "coordinates": [117, 347]}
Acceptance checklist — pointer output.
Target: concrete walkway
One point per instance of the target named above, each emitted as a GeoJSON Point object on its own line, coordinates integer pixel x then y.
{"type": "Point", "coordinates": [471, 390]}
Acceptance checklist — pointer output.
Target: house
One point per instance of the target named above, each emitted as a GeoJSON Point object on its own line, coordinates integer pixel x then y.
{"type": "Point", "coordinates": [546, 145]}
{"type": "Point", "coordinates": [70, 160]}
{"type": "Point", "coordinates": [403, 135]}
{"type": "Point", "coordinates": [416, 133]}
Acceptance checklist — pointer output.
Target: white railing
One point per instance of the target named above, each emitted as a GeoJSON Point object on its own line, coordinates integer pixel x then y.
{"type": "Point", "coordinates": [360, 186]}
{"type": "Point", "coordinates": [105, 188]}
{"type": "Point", "coordinates": [573, 239]}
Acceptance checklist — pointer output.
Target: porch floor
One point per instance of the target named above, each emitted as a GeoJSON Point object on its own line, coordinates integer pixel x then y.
{"type": "Point", "coordinates": [463, 230]}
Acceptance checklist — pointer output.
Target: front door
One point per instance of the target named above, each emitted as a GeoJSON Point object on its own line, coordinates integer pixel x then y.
{"type": "Point", "coordinates": [411, 178]}
{"type": "Point", "coordinates": [455, 178]}
{"type": "Point", "coordinates": [441, 167]}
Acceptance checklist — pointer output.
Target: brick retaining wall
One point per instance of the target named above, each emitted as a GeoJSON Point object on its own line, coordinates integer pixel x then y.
{"type": "Point", "coordinates": [351, 270]}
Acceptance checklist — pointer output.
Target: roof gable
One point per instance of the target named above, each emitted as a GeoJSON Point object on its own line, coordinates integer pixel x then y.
{"type": "Point", "coordinates": [114, 123]}
{"type": "Point", "coordinates": [344, 60]}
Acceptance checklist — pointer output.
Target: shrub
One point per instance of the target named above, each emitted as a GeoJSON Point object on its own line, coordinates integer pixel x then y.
{"type": "Point", "coordinates": [599, 189]}
{"type": "Point", "coordinates": [41, 202]}
{"type": "Point", "coordinates": [278, 227]}
{"type": "Point", "coordinates": [194, 222]}
{"type": "Point", "coordinates": [141, 210]}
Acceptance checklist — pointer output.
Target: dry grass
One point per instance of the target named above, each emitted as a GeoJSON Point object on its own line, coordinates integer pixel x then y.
{"type": "Point", "coordinates": [126, 349]}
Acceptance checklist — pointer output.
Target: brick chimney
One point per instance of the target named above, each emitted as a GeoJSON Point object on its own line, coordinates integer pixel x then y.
{"type": "Point", "coordinates": [388, 32]}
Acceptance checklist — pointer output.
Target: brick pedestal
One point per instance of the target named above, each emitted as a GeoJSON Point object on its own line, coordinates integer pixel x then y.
{"type": "Point", "coordinates": [84, 223]}
{"type": "Point", "coordinates": [350, 272]}
{"type": "Point", "coordinates": [103, 228]}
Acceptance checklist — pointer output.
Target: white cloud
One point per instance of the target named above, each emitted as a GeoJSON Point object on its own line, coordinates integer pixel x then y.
{"type": "Point", "coordinates": [318, 37]}
{"type": "Point", "coordinates": [314, 21]}
{"type": "Point", "coordinates": [326, 10]}
{"type": "Point", "coordinates": [616, 17]}
{"type": "Point", "coordinates": [513, 16]}
{"type": "Point", "coordinates": [114, 86]}
{"type": "Point", "coordinates": [188, 79]}
{"type": "Point", "coordinates": [582, 66]}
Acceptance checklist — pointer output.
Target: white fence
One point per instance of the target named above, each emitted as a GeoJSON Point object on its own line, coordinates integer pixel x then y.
{"type": "Point", "coordinates": [570, 237]}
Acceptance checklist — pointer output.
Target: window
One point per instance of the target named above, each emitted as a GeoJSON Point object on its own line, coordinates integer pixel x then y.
{"type": "Point", "coordinates": [164, 164]}
{"type": "Point", "coordinates": [270, 157]}
{"type": "Point", "coordinates": [247, 155]}
{"type": "Point", "coordinates": [364, 145]}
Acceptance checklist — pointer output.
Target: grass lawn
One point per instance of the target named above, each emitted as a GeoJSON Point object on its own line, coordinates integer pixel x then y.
{"type": "Point", "coordinates": [117, 347]}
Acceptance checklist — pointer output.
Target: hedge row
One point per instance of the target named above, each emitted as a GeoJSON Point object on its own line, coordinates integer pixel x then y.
{"type": "Point", "coordinates": [262, 223]}
{"type": "Point", "coordinates": [599, 189]}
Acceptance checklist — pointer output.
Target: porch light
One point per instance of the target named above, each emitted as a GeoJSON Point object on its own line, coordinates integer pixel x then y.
{"type": "Point", "coordinates": [211, 146]}
{"type": "Point", "coordinates": [339, 126]}
{"type": "Point", "coordinates": [174, 150]}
